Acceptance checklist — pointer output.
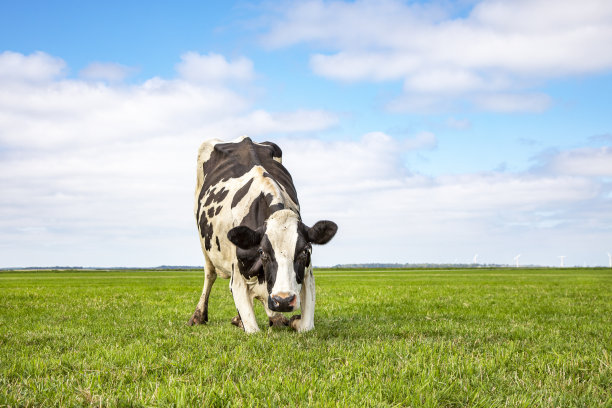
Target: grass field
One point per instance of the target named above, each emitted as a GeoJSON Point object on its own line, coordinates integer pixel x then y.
{"type": "Point", "coordinates": [434, 338]}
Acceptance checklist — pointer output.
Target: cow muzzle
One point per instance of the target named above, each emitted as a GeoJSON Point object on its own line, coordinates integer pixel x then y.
{"type": "Point", "coordinates": [282, 302]}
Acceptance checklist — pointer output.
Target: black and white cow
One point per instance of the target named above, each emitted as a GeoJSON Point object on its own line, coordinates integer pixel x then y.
{"type": "Point", "coordinates": [251, 232]}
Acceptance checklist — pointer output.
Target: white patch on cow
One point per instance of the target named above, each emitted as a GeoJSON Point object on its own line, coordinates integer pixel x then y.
{"type": "Point", "coordinates": [281, 230]}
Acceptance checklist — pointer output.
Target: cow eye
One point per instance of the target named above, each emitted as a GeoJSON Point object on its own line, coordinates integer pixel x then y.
{"type": "Point", "coordinates": [262, 254]}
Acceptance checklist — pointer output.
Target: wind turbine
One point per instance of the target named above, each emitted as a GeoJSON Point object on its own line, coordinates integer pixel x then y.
{"type": "Point", "coordinates": [610, 259]}
{"type": "Point", "coordinates": [475, 260]}
{"type": "Point", "coordinates": [562, 257]}
{"type": "Point", "coordinates": [516, 258]}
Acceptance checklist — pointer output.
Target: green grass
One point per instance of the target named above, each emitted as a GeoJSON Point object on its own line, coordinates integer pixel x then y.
{"type": "Point", "coordinates": [437, 338]}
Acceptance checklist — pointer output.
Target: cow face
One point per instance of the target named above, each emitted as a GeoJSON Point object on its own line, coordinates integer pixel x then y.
{"type": "Point", "coordinates": [283, 247]}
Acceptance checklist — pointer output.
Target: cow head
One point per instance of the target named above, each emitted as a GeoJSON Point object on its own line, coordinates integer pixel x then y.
{"type": "Point", "coordinates": [283, 247]}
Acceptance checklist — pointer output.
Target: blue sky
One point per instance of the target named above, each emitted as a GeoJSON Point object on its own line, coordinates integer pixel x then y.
{"type": "Point", "coordinates": [430, 131]}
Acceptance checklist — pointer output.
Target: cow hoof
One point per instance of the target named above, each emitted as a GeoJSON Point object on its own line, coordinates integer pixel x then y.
{"type": "Point", "coordinates": [278, 321]}
{"type": "Point", "coordinates": [197, 318]}
{"type": "Point", "coordinates": [237, 321]}
{"type": "Point", "coordinates": [295, 321]}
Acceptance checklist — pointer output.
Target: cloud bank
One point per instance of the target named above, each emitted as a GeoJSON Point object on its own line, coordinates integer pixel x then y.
{"type": "Point", "coordinates": [100, 172]}
{"type": "Point", "coordinates": [387, 212]}
{"type": "Point", "coordinates": [497, 57]}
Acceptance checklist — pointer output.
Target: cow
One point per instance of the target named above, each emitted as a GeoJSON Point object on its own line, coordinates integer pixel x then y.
{"type": "Point", "coordinates": [251, 232]}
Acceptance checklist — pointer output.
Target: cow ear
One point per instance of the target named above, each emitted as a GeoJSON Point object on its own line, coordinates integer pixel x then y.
{"type": "Point", "coordinates": [322, 232]}
{"type": "Point", "coordinates": [244, 237]}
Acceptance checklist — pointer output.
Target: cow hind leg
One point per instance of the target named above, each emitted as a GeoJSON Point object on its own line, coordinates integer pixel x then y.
{"type": "Point", "coordinates": [200, 315]}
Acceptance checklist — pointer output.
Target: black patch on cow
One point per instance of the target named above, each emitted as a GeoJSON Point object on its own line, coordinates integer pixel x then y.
{"type": "Point", "coordinates": [233, 160]}
{"type": "Point", "coordinates": [269, 264]}
{"type": "Point", "coordinates": [213, 197]}
{"type": "Point", "coordinates": [301, 258]}
{"type": "Point", "coordinates": [242, 191]}
{"type": "Point", "coordinates": [261, 275]}
{"type": "Point", "coordinates": [260, 210]}
{"type": "Point", "coordinates": [257, 270]}
{"type": "Point", "coordinates": [218, 244]}
{"type": "Point", "coordinates": [206, 230]}
{"type": "Point", "coordinates": [276, 207]}
{"type": "Point", "coordinates": [210, 212]}
{"type": "Point", "coordinates": [249, 264]}
{"type": "Point", "coordinates": [218, 210]}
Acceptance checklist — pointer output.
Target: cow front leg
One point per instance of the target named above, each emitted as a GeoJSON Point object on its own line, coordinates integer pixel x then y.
{"type": "Point", "coordinates": [200, 315]}
{"type": "Point", "coordinates": [244, 305]}
{"type": "Point", "coordinates": [305, 321]}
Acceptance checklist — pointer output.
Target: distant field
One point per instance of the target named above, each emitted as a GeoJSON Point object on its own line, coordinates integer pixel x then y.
{"type": "Point", "coordinates": [434, 338]}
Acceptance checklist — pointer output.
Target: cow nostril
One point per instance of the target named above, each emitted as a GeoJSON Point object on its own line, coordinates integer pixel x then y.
{"type": "Point", "coordinates": [282, 302]}
{"type": "Point", "coordinates": [277, 299]}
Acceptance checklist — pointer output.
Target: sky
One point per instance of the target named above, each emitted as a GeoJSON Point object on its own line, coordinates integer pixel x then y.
{"type": "Point", "coordinates": [430, 132]}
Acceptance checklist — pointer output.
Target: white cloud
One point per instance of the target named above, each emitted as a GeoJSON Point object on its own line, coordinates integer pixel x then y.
{"type": "Point", "coordinates": [260, 122]}
{"type": "Point", "coordinates": [458, 124]}
{"type": "Point", "coordinates": [360, 166]}
{"type": "Point", "coordinates": [592, 162]}
{"type": "Point", "coordinates": [501, 47]}
{"type": "Point", "coordinates": [72, 113]}
{"type": "Point", "coordinates": [444, 81]}
{"type": "Point", "coordinates": [521, 102]}
{"type": "Point", "coordinates": [100, 173]}
{"type": "Point", "coordinates": [387, 213]}
{"type": "Point", "coordinates": [363, 65]}
{"type": "Point", "coordinates": [106, 71]}
{"type": "Point", "coordinates": [67, 113]}
{"type": "Point", "coordinates": [195, 67]}
{"type": "Point", "coordinates": [36, 67]}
